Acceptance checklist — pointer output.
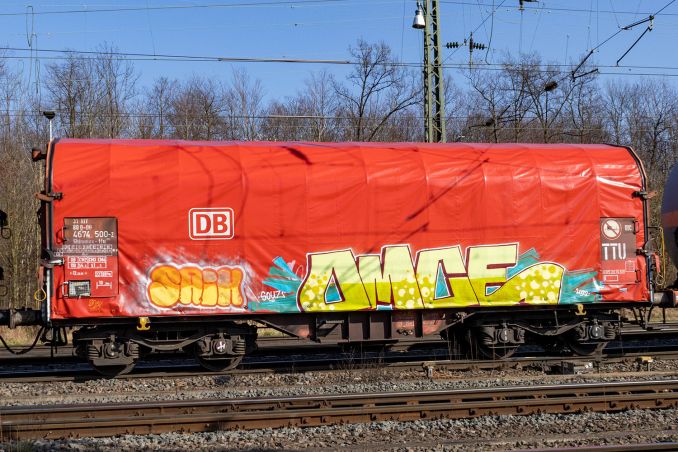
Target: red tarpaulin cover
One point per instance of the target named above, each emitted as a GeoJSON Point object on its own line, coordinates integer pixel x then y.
{"type": "Point", "coordinates": [151, 228]}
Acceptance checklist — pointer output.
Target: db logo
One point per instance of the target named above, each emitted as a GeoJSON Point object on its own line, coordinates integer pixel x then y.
{"type": "Point", "coordinates": [214, 223]}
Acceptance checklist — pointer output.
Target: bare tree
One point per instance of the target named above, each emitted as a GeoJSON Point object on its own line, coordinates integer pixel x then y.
{"type": "Point", "coordinates": [378, 88]}
{"type": "Point", "coordinates": [116, 88]}
{"type": "Point", "coordinates": [72, 92]}
{"type": "Point", "coordinates": [19, 179]}
{"type": "Point", "coordinates": [244, 106]}
{"type": "Point", "coordinates": [92, 95]}
{"type": "Point", "coordinates": [195, 110]}
{"type": "Point", "coordinates": [615, 105]}
{"type": "Point", "coordinates": [158, 105]}
{"type": "Point", "coordinates": [487, 105]}
{"type": "Point", "coordinates": [309, 115]}
{"type": "Point", "coordinates": [319, 102]}
{"type": "Point", "coordinates": [582, 120]}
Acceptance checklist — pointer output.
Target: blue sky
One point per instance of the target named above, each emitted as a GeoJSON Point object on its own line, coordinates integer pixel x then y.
{"type": "Point", "coordinates": [561, 31]}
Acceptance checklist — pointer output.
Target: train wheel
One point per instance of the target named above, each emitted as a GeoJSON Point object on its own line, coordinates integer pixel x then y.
{"type": "Point", "coordinates": [220, 365]}
{"type": "Point", "coordinates": [552, 346]}
{"type": "Point", "coordinates": [585, 349]}
{"type": "Point", "coordinates": [113, 371]}
{"type": "Point", "coordinates": [501, 352]}
{"type": "Point", "coordinates": [218, 353]}
{"type": "Point", "coordinates": [481, 342]}
{"type": "Point", "coordinates": [111, 356]}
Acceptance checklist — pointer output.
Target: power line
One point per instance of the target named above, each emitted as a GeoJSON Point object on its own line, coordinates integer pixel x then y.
{"type": "Point", "coordinates": [456, 66]}
{"type": "Point", "coordinates": [304, 2]}
{"type": "Point", "coordinates": [650, 18]}
{"type": "Point", "coordinates": [665, 6]}
{"type": "Point", "coordinates": [202, 58]}
{"type": "Point", "coordinates": [477, 28]}
{"type": "Point", "coordinates": [169, 57]}
{"type": "Point", "coordinates": [133, 56]}
{"type": "Point", "coordinates": [549, 8]}
{"type": "Point", "coordinates": [182, 7]}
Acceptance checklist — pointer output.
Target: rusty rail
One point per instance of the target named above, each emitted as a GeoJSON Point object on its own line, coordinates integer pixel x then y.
{"type": "Point", "coordinates": [59, 421]}
{"type": "Point", "coordinates": [327, 362]}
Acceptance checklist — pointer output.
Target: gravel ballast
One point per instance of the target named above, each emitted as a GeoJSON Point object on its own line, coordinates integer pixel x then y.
{"type": "Point", "coordinates": [485, 433]}
{"type": "Point", "coordinates": [378, 379]}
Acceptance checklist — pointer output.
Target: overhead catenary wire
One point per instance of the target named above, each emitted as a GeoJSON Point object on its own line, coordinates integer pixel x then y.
{"type": "Point", "coordinates": [489, 41]}
{"type": "Point", "coordinates": [536, 28]}
{"type": "Point", "coordinates": [550, 8]}
{"type": "Point", "coordinates": [287, 3]}
{"type": "Point", "coordinates": [649, 18]}
{"type": "Point", "coordinates": [183, 7]}
{"type": "Point", "coordinates": [171, 57]}
{"type": "Point", "coordinates": [476, 29]}
{"type": "Point", "coordinates": [542, 68]}
{"type": "Point", "coordinates": [649, 28]}
{"type": "Point", "coordinates": [178, 58]}
{"type": "Point", "coordinates": [616, 19]}
{"type": "Point", "coordinates": [198, 58]}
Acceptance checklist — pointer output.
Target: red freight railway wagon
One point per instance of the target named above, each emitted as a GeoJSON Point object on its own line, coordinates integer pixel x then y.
{"type": "Point", "coordinates": [161, 244]}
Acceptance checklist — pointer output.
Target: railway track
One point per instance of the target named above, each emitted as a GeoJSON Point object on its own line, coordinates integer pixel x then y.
{"type": "Point", "coordinates": [425, 359]}
{"type": "Point", "coordinates": [62, 421]}
{"type": "Point", "coordinates": [290, 354]}
{"type": "Point", "coordinates": [428, 363]}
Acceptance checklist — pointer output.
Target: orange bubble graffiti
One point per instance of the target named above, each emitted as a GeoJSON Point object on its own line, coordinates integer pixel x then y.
{"type": "Point", "coordinates": [209, 287]}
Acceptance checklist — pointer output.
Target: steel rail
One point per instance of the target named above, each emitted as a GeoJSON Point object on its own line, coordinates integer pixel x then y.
{"type": "Point", "coordinates": [60, 421]}
{"type": "Point", "coordinates": [643, 447]}
{"type": "Point", "coordinates": [174, 369]}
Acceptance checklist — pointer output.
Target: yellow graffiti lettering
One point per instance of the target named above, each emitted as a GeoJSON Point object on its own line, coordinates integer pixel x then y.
{"type": "Point", "coordinates": [450, 262]}
{"type": "Point", "coordinates": [210, 290]}
{"type": "Point", "coordinates": [336, 281]}
{"type": "Point", "coordinates": [337, 269]}
{"type": "Point", "coordinates": [208, 287]}
{"type": "Point", "coordinates": [229, 281]}
{"type": "Point", "coordinates": [487, 267]}
{"type": "Point", "coordinates": [165, 286]}
{"type": "Point", "coordinates": [191, 285]}
{"type": "Point", "coordinates": [396, 284]}
{"type": "Point", "coordinates": [537, 284]}
{"type": "Point", "coordinates": [377, 282]}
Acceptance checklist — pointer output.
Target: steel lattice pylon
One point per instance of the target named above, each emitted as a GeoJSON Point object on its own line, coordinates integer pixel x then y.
{"type": "Point", "coordinates": [434, 93]}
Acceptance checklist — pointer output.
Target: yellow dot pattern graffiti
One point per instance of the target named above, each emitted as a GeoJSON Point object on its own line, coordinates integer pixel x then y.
{"type": "Point", "coordinates": [537, 284]}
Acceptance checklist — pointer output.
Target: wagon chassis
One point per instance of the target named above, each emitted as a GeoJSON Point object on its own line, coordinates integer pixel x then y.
{"type": "Point", "coordinates": [220, 343]}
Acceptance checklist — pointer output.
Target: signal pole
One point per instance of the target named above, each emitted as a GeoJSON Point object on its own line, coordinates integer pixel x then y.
{"type": "Point", "coordinates": [427, 18]}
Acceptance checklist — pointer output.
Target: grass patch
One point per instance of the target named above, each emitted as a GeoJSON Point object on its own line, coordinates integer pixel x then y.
{"type": "Point", "coordinates": [24, 335]}
{"type": "Point", "coordinates": [270, 332]}
{"type": "Point", "coordinates": [671, 315]}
